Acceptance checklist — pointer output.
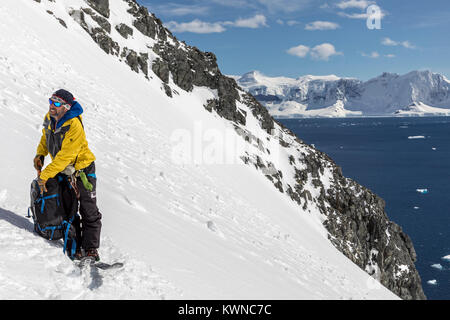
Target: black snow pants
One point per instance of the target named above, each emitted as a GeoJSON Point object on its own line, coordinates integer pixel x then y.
{"type": "Point", "coordinates": [89, 230]}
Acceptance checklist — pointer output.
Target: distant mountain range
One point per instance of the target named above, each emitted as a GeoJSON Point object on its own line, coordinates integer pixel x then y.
{"type": "Point", "coordinates": [417, 93]}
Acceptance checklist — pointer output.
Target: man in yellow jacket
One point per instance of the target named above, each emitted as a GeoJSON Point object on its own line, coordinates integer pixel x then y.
{"type": "Point", "coordinates": [63, 137]}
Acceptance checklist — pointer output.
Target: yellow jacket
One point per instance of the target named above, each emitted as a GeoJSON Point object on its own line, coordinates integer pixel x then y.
{"type": "Point", "coordinates": [66, 143]}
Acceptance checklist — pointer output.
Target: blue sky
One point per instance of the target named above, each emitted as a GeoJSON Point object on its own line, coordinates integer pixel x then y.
{"type": "Point", "coordinates": [297, 37]}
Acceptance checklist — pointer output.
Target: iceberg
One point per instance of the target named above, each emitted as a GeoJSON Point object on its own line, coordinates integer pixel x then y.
{"type": "Point", "coordinates": [432, 282]}
{"type": "Point", "coordinates": [423, 191]}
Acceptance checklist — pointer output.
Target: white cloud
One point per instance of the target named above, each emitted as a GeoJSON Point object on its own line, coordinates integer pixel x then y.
{"type": "Point", "coordinates": [273, 6]}
{"type": "Point", "coordinates": [392, 43]}
{"type": "Point", "coordinates": [231, 3]}
{"type": "Point", "coordinates": [320, 52]}
{"type": "Point", "coordinates": [389, 42]}
{"type": "Point", "coordinates": [359, 4]}
{"type": "Point", "coordinates": [292, 23]}
{"type": "Point", "coordinates": [174, 9]}
{"type": "Point", "coordinates": [407, 45]}
{"type": "Point", "coordinates": [288, 22]}
{"type": "Point", "coordinates": [284, 5]}
{"type": "Point", "coordinates": [376, 55]}
{"type": "Point", "coordinates": [373, 55]}
{"type": "Point", "coordinates": [198, 26]}
{"type": "Point", "coordinates": [363, 15]}
{"type": "Point", "coordinates": [324, 51]}
{"type": "Point", "coordinates": [368, 10]}
{"type": "Point", "coordinates": [353, 15]}
{"type": "Point", "coordinates": [255, 22]}
{"type": "Point", "coordinates": [321, 25]}
{"type": "Point", "coordinates": [299, 51]}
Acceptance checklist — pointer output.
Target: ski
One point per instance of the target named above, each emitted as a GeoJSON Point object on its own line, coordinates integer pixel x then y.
{"type": "Point", "coordinates": [87, 261]}
{"type": "Point", "coordinates": [107, 266]}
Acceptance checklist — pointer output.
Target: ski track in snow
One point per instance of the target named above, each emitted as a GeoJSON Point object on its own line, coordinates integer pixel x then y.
{"type": "Point", "coordinates": [29, 261]}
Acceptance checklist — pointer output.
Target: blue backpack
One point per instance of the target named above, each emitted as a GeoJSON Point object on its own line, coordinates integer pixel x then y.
{"type": "Point", "coordinates": [55, 213]}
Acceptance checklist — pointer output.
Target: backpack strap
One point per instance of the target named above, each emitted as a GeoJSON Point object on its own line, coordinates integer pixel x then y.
{"type": "Point", "coordinates": [66, 237]}
{"type": "Point", "coordinates": [79, 118]}
{"type": "Point", "coordinates": [42, 200]}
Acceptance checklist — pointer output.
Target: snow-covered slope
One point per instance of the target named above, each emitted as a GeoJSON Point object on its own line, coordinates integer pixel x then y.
{"type": "Point", "coordinates": [189, 221]}
{"type": "Point", "coordinates": [292, 109]}
{"type": "Point", "coordinates": [421, 109]}
{"type": "Point", "coordinates": [383, 95]}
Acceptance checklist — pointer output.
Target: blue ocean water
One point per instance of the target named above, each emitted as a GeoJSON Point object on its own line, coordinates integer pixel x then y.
{"type": "Point", "coordinates": [381, 154]}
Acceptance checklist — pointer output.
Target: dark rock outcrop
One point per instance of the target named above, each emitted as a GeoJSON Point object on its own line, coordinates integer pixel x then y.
{"type": "Point", "coordinates": [124, 30]}
{"type": "Point", "coordinates": [360, 228]}
{"type": "Point", "coordinates": [356, 219]}
{"type": "Point", "coordinates": [190, 67]}
{"type": "Point", "coordinates": [261, 113]}
{"type": "Point", "coordinates": [61, 21]}
{"type": "Point", "coordinates": [136, 61]}
{"type": "Point", "coordinates": [102, 22]}
{"type": "Point", "coordinates": [98, 34]}
{"type": "Point", "coordinates": [101, 6]}
{"type": "Point", "coordinates": [161, 69]}
{"type": "Point", "coordinates": [147, 23]}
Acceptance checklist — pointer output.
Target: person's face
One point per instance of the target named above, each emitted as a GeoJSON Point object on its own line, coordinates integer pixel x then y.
{"type": "Point", "coordinates": [57, 108]}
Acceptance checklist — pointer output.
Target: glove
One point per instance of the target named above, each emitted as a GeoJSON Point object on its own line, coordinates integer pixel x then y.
{"type": "Point", "coordinates": [38, 162]}
{"type": "Point", "coordinates": [42, 186]}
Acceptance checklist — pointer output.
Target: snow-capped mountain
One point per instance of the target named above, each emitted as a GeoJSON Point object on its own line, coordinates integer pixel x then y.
{"type": "Point", "coordinates": [421, 109]}
{"type": "Point", "coordinates": [331, 96]}
{"type": "Point", "coordinates": [203, 194]}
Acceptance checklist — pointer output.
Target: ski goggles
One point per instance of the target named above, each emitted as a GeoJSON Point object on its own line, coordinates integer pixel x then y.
{"type": "Point", "coordinates": [56, 103]}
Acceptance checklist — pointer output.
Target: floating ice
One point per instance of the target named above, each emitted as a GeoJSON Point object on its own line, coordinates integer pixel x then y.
{"type": "Point", "coordinates": [437, 266]}
{"type": "Point", "coordinates": [432, 282]}
{"type": "Point", "coordinates": [416, 208]}
{"type": "Point", "coordinates": [446, 258]}
{"type": "Point", "coordinates": [434, 149]}
{"type": "Point", "coordinates": [423, 191]}
{"type": "Point", "coordinates": [416, 137]}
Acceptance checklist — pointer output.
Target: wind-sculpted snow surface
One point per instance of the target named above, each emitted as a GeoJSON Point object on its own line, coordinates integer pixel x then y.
{"type": "Point", "coordinates": [191, 216]}
{"type": "Point", "coordinates": [33, 268]}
